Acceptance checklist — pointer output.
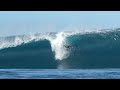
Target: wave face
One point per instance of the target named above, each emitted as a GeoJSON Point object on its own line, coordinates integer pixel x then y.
{"type": "Point", "coordinates": [62, 50]}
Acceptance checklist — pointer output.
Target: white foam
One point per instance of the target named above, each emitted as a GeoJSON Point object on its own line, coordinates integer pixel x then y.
{"type": "Point", "coordinates": [58, 42]}
{"type": "Point", "coordinates": [18, 40]}
{"type": "Point", "coordinates": [58, 46]}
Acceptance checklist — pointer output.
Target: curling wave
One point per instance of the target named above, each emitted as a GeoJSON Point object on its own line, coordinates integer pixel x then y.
{"type": "Point", "coordinates": [79, 49]}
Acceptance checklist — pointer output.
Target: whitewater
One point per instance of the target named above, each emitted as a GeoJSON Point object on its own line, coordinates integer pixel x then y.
{"type": "Point", "coordinates": [68, 49]}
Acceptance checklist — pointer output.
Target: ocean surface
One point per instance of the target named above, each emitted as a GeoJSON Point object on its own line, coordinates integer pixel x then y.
{"type": "Point", "coordinates": [59, 74]}
{"type": "Point", "coordinates": [70, 54]}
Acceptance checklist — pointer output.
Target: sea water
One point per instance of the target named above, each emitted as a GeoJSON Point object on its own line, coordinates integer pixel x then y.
{"type": "Point", "coordinates": [59, 74]}
{"type": "Point", "coordinates": [61, 55]}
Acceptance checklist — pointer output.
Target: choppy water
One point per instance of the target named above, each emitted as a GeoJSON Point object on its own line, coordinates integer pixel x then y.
{"type": "Point", "coordinates": [59, 74]}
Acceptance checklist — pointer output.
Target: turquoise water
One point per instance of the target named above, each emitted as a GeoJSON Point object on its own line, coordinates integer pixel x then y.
{"type": "Point", "coordinates": [61, 50]}
{"type": "Point", "coordinates": [61, 55]}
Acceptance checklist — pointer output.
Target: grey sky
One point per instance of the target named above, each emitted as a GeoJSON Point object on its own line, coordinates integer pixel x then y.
{"type": "Point", "coordinates": [23, 22]}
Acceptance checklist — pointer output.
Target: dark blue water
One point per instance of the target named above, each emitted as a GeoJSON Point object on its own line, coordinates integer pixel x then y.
{"type": "Point", "coordinates": [59, 74]}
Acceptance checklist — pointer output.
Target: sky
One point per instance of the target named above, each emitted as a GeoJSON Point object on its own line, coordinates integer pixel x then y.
{"type": "Point", "coordinates": [25, 22]}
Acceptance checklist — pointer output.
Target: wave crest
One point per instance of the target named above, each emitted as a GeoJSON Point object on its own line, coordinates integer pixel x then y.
{"type": "Point", "coordinates": [59, 41]}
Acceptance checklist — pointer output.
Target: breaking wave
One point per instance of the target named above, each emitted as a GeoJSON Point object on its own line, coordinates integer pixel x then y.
{"type": "Point", "coordinates": [63, 46]}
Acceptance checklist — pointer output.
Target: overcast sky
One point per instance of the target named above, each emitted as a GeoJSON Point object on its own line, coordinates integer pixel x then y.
{"type": "Point", "coordinates": [23, 22]}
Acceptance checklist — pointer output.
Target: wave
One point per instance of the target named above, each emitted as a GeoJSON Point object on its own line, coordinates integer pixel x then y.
{"type": "Point", "coordinates": [78, 49]}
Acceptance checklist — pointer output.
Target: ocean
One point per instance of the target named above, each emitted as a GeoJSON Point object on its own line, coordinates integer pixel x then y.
{"type": "Point", "coordinates": [70, 54]}
{"type": "Point", "coordinates": [59, 74]}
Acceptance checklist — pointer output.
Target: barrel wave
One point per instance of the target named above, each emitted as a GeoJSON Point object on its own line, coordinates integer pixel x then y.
{"type": "Point", "coordinates": [62, 50]}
